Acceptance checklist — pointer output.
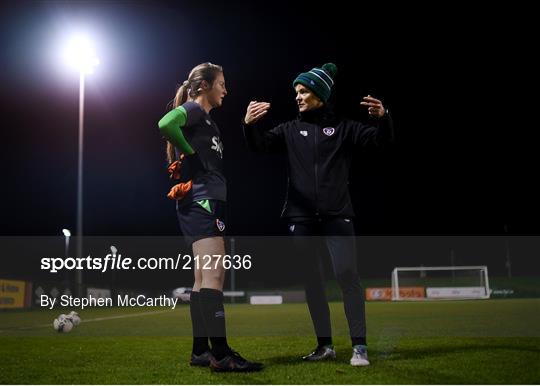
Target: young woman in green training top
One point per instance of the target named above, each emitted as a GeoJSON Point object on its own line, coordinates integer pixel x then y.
{"type": "Point", "coordinates": [195, 155]}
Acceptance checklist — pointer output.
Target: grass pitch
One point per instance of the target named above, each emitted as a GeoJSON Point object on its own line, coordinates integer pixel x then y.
{"type": "Point", "coordinates": [456, 342]}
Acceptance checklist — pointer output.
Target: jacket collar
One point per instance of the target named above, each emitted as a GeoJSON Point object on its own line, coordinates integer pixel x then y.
{"type": "Point", "coordinates": [318, 116]}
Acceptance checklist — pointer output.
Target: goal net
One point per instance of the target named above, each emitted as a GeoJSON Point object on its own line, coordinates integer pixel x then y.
{"type": "Point", "coordinates": [440, 283]}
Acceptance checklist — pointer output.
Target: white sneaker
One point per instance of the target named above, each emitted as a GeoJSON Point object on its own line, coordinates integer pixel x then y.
{"type": "Point", "coordinates": [359, 356]}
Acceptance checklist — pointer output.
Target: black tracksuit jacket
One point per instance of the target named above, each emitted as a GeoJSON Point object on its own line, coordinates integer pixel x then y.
{"type": "Point", "coordinates": [319, 148]}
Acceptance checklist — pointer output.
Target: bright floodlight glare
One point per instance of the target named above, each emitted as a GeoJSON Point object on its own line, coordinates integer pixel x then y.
{"type": "Point", "coordinates": [81, 54]}
{"type": "Point", "coordinates": [66, 232]}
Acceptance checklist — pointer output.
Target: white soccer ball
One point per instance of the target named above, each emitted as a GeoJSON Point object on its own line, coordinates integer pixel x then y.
{"type": "Point", "coordinates": [62, 324]}
{"type": "Point", "coordinates": [74, 317]}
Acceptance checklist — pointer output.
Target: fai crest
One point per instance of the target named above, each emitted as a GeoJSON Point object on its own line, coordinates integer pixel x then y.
{"type": "Point", "coordinates": [220, 225]}
{"type": "Point", "coordinates": [328, 131]}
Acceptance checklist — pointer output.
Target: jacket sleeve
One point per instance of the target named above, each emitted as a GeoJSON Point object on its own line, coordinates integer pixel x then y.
{"type": "Point", "coordinates": [269, 141]}
{"type": "Point", "coordinates": [380, 134]}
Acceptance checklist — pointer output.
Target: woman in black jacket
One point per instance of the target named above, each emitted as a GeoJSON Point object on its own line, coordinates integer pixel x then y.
{"type": "Point", "coordinates": [319, 147]}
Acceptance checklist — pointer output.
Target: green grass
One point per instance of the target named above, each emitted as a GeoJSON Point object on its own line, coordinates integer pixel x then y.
{"type": "Point", "coordinates": [458, 342]}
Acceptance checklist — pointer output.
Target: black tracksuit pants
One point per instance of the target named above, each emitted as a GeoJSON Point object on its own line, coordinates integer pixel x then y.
{"type": "Point", "coordinates": [337, 235]}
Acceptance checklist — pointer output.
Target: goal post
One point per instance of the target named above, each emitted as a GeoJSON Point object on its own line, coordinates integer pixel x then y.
{"type": "Point", "coordinates": [440, 283]}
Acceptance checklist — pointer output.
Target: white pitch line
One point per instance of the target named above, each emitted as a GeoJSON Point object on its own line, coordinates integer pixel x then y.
{"type": "Point", "coordinates": [96, 319]}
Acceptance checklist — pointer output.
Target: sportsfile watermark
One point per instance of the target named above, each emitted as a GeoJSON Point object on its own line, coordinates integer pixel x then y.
{"type": "Point", "coordinates": [108, 301]}
{"type": "Point", "coordinates": [119, 262]}
{"type": "Point", "coordinates": [143, 278]}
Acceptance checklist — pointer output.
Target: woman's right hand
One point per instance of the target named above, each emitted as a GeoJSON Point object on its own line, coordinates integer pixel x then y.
{"type": "Point", "coordinates": [255, 111]}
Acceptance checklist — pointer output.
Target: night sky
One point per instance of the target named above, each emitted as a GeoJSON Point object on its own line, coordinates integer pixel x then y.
{"type": "Point", "coordinates": [465, 160]}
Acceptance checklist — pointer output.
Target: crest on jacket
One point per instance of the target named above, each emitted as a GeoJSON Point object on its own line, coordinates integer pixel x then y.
{"type": "Point", "coordinates": [328, 131]}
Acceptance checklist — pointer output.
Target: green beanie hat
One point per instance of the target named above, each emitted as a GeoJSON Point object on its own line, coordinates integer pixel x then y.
{"type": "Point", "coordinates": [319, 80]}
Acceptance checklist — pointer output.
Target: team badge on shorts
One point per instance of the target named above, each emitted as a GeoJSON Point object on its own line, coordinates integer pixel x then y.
{"type": "Point", "coordinates": [328, 131]}
{"type": "Point", "coordinates": [220, 225]}
{"type": "Point", "coordinates": [291, 228]}
{"type": "Point", "coordinates": [304, 133]}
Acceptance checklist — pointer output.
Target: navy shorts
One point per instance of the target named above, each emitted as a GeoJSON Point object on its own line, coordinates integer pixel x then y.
{"type": "Point", "coordinates": [202, 219]}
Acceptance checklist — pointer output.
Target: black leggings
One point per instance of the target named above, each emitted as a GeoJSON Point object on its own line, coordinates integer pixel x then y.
{"type": "Point", "coordinates": [337, 234]}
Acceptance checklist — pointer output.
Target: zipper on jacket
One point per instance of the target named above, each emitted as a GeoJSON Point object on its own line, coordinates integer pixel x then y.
{"type": "Point", "coordinates": [316, 170]}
